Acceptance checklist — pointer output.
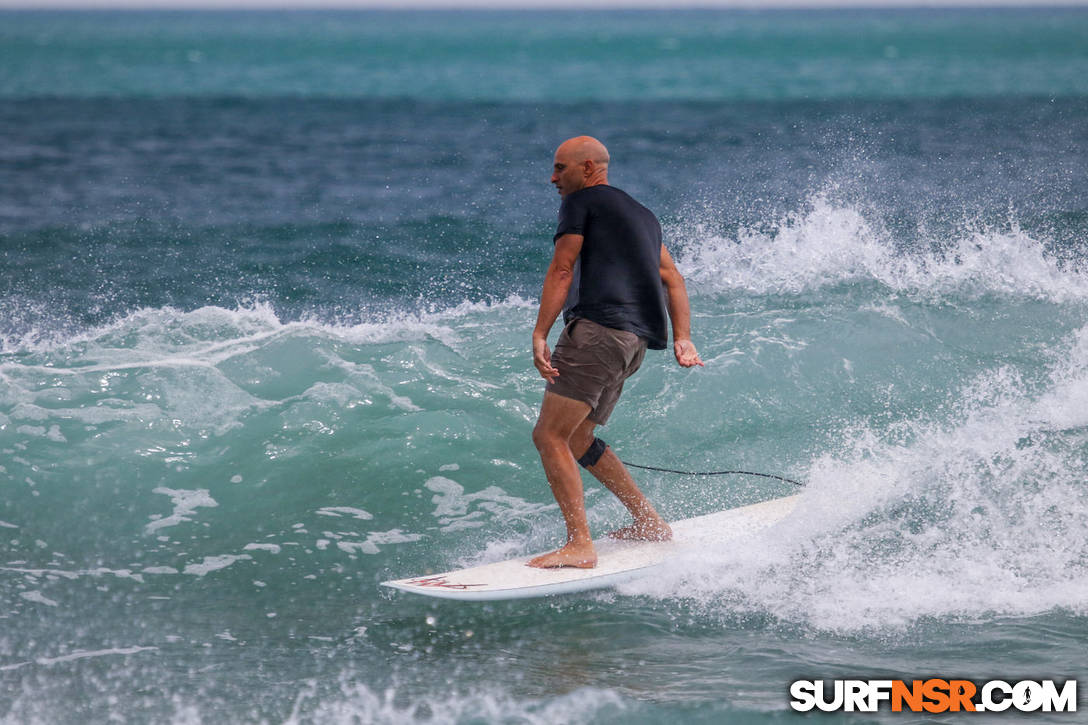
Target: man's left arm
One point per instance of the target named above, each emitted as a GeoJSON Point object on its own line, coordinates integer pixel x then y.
{"type": "Point", "coordinates": [676, 298]}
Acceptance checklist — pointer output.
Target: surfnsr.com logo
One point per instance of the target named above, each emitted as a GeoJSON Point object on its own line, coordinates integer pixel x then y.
{"type": "Point", "coordinates": [933, 695]}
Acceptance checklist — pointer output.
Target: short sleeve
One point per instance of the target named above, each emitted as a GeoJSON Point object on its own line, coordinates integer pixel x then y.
{"type": "Point", "coordinates": [572, 216]}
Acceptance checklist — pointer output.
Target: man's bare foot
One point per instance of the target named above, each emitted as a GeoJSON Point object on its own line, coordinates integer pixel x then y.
{"type": "Point", "coordinates": [649, 530]}
{"type": "Point", "coordinates": [578, 556]}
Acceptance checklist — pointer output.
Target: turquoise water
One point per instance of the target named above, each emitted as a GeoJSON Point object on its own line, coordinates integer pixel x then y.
{"type": "Point", "coordinates": [268, 281]}
{"type": "Point", "coordinates": [504, 56]}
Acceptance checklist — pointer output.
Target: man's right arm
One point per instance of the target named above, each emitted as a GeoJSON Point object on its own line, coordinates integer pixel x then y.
{"type": "Point", "coordinates": [556, 286]}
{"type": "Point", "coordinates": [676, 298]}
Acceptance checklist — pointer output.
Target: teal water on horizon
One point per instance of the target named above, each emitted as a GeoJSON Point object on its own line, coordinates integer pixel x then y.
{"type": "Point", "coordinates": [268, 282]}
{"type": "Point", "coordinates": [548, 56]}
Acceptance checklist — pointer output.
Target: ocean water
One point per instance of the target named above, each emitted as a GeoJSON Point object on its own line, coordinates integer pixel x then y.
{"type": "Point", "coordinates": [267, 286]}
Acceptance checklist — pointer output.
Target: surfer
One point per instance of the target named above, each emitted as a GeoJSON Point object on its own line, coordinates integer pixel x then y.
{"type": "Point", "coordinates": [614, 281]}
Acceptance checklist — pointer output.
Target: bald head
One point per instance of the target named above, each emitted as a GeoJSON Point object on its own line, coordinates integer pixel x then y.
{"type": "Point", "coordinates": [579, 162]}
{"type": "Point", "coordinates": [584, 148]}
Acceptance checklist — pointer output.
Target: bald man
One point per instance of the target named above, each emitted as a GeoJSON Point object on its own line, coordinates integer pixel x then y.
{"type": "Point", "coordinates": [615, 282]}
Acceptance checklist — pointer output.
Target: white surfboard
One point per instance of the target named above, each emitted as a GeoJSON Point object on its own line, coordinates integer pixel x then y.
{"type": "Point", "coordinates": [617, 561]}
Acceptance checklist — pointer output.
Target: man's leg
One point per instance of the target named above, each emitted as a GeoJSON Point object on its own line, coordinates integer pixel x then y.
{"type": "Point", "coordinates": [559, 417]}
{"type": "Point", "coordinates": [611, 472]}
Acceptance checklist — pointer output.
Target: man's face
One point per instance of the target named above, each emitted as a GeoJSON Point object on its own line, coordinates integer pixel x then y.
{"type": "Point", "coordinates": [567, 175]}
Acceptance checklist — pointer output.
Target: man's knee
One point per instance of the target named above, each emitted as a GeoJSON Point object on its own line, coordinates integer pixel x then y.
{"type": "Point", "coordinates": [544, 437]}
{"type": "Point", "coordinates": [538, 436]}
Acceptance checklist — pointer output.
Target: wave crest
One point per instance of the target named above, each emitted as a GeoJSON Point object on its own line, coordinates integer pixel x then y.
{"type": "Point", "coordinates": [981, 511]}
{"type": "Point", "coordinates": [169, 330]}
{"type": "Point", "coordinates": [827, 244]}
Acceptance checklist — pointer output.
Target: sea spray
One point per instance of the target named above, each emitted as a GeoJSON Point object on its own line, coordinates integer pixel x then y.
{"type": "Point", "coordinates": [979, 510]}
{"type": "Point", "coordinates": [826, 243]}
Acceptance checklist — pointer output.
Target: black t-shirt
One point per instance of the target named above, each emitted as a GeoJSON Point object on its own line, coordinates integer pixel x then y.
{"type": "Point", "coordinates": [617, 279]}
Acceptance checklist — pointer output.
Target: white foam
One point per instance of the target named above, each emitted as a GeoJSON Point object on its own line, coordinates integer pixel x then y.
{"type": "Point", "coordinates": [982, 512]}
{"type": "Point", "coordinates": [827, 243]}
{"type": "Point", "coordinates": [270, 548]}
{"type": "Point", "coordinates": [71, 575]}
{"type": "Point", "coordinates": [82, 655]}
{"type": "Point", "coordinates": [338, 511]}
{"type": "Point", "coordinates": [208, 336]}
{"type": "Point", "coordinates": [360, 547]}
{"type": "Point", "coordinates": [493, 551]}
{"type": "Point", "coordinates": [357, 702]}
{"type": "Point", "coordinates": [185, 504]}
{"type": "Point", "coordinates": [214, 563]}
{"type": "Point", "coordinates": [159, 570]}
{"type": "Point", "coordinates": [363, 378]}
{"type": "Point", "coordinates": [392, 536]}
{"type": "Point", "coordinates": [360, 703]}
{"type": "Point", "coordinates": [374, 540]}
{"type": "Point", "coordinates": [38, 598]}
{"type": "Point", "coordinates": [456, 509]}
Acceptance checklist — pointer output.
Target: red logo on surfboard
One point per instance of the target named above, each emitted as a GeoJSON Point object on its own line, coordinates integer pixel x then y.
{"type": "Point", "coordinates": [440, 581]}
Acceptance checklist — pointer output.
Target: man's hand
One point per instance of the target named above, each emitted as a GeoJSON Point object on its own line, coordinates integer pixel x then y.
{"type": "Point", "coordinates": [676, 299]}
{"type": "Point", "coordinates": [686, 354]}
{"type": "Point", "coordinates": [542, 358]}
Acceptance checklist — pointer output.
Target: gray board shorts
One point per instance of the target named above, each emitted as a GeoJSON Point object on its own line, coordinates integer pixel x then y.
{"type": "Point", "coordinates": [593, 362]}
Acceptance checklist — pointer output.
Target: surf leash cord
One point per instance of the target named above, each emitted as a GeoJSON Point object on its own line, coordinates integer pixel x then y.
{"type": "Point", "coordinates": [713, 473]}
